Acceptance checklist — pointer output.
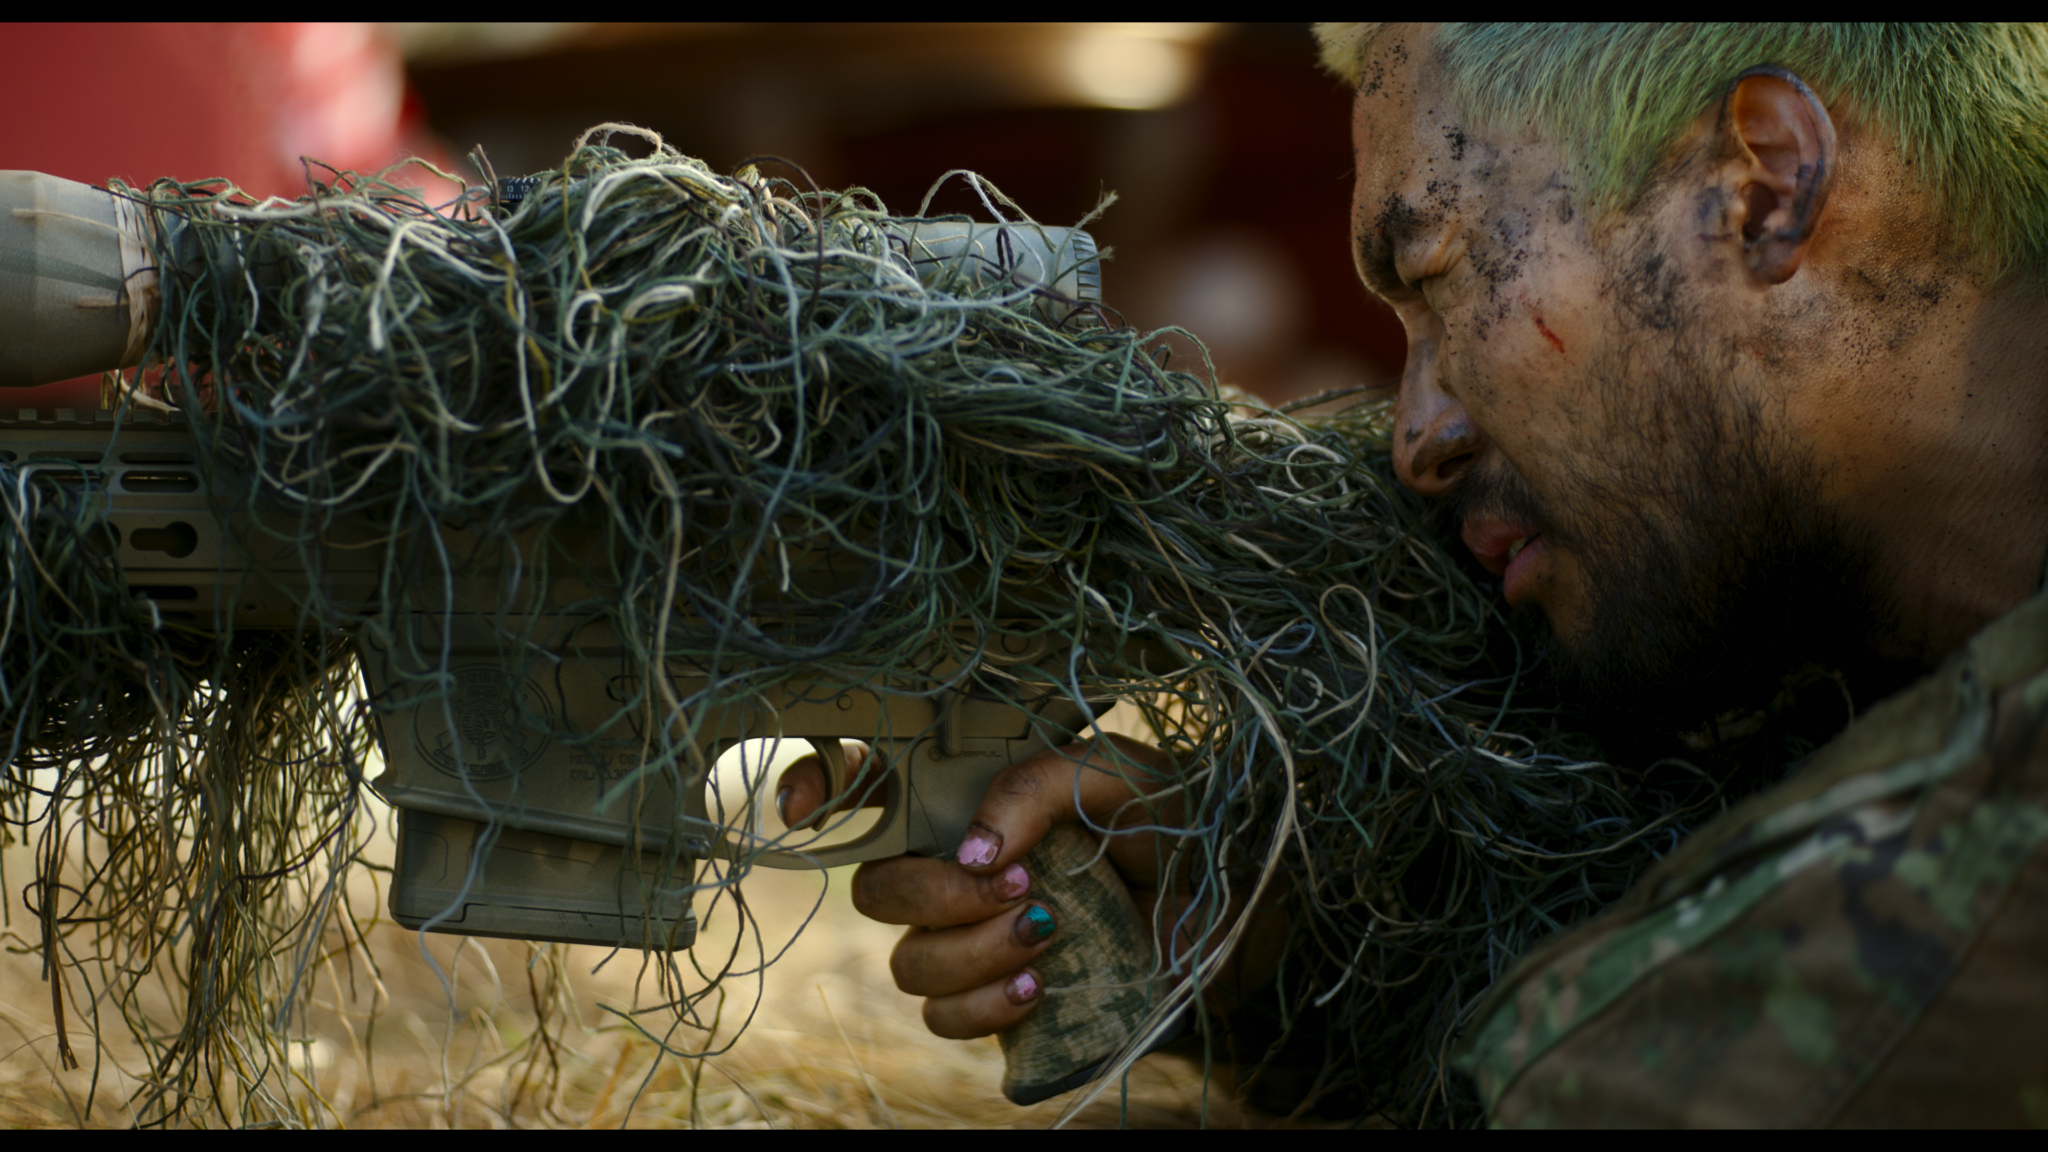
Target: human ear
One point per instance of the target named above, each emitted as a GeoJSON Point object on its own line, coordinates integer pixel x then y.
{"type": "Point", "coordinates": [1783, 144]}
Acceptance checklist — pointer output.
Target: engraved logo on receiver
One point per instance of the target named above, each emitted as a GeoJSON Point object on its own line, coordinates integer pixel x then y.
{"type": "Point", "coordinates": [494, 717]}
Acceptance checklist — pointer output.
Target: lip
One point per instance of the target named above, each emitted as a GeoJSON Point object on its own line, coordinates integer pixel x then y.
{"type": "Point", "coordinates": [1493, 544]}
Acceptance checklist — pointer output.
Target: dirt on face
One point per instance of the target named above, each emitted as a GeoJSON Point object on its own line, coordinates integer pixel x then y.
{"type": "Point", "coordinates": [1585, 392]}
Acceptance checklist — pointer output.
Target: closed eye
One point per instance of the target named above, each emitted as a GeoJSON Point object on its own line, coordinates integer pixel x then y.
{"type": "Point", "coordinates": [1414, 283]}
{"type": "Point", "coordinates": [1422, 285]}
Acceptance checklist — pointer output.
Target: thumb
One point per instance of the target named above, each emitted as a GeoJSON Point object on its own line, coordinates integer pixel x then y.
{"type": "Point", "coordinates": [1112, 780]}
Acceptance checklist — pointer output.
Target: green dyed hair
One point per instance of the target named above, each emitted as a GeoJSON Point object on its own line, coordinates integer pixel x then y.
{"type": "Point", "coordinates": [1966, 105]}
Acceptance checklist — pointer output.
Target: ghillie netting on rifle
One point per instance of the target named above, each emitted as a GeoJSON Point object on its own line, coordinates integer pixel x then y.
{"type": "Point", "coordinates": [729, 375]}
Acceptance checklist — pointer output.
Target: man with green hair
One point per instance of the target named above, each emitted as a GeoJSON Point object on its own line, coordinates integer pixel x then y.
{"type": "Point", "coordinates": [1728, 352]}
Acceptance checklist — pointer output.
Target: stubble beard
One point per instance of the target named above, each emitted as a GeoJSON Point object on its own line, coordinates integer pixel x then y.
{"type": "Point", "coordinates": [1712, 567]}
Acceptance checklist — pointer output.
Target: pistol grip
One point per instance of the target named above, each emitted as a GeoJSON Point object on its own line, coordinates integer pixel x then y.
{"type": "Point", "coordinates": [1098, 976]}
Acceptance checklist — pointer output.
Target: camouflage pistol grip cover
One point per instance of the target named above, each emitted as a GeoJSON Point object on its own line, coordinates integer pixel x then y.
{"type": "Point", "coordinates": [1098, 974]}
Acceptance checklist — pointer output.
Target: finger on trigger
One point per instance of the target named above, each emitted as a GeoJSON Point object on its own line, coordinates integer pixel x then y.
{"type": "Point", "coordinates": [804, 787]}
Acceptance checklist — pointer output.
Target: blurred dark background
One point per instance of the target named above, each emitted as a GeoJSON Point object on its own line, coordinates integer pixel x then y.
{"type": "Point", "coordinates": [1228, 149]}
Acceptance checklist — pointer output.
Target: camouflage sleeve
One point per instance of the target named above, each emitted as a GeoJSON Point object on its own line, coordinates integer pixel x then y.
{"type": "Point", "coordinates": [1865, 945]}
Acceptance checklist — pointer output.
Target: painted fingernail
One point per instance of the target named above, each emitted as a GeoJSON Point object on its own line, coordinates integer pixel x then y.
{"type": "Point", "coordinates": [1014, 882]}
{"type": "Point", "coordinates": [1034, 925]}
{"type": "Point", "coordinates": [782, 804]}
{"type": "Point", "coordinates": [978, 849]}
{"type": "Point", "coordinates": [1023, 987]}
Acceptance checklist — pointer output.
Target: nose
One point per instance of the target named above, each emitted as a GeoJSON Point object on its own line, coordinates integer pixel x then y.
{"type": "Point", "coordinates": [1434, 439]}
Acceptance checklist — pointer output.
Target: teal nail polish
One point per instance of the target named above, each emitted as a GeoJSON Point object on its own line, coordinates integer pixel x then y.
{"type": "Point", "coordinates": [1040, 921]}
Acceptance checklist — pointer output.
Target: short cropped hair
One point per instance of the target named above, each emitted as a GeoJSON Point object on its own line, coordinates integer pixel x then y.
{"type": "Point", "coordinates": [1966, 105]}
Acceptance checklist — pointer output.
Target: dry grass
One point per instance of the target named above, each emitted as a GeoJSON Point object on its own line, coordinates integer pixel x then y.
{"type": "Point", "coordinates": [834, 1044]}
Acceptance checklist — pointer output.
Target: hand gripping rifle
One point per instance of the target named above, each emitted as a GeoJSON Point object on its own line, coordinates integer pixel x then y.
{"type": "Point", "coordinates": [512, 718]}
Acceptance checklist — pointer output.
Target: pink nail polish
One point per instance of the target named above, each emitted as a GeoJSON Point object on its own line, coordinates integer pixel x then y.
{"type": "Point", "coordinates": [1023, 987]}
{"type": "Point", "coordinates": [978, 849]}
{"type": "Point", "coordinates": [1014, 882]}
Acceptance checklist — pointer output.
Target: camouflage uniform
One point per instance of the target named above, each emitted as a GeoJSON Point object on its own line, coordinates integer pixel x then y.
{"type": "Point", "coordinates": [1866, 944]}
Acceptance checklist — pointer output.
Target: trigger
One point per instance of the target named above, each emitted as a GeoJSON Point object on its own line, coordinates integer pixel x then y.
{"type": "Point", "coordinates": [832, 758]}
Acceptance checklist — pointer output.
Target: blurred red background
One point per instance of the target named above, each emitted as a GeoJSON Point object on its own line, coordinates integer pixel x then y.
{"type": "Point", "coordinates": [1229, 150]}
{"type": "Point", "coordinates": [191, 101]}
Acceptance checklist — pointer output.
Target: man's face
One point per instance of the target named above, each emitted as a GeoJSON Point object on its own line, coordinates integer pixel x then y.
{"type": "Point", "coordinates": [1601, 432]}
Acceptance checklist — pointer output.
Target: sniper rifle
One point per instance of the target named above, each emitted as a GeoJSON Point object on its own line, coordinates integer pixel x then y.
{"type": "Point", "coordinates": [516, 739]}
